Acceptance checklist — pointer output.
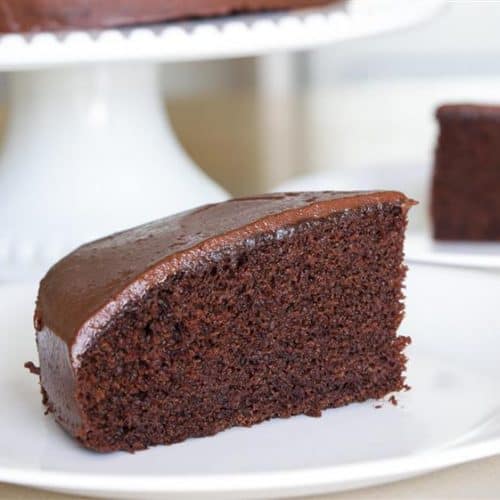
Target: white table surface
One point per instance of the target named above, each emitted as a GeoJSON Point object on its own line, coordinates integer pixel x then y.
{"type": "Point", "coordinates": [477, 480]}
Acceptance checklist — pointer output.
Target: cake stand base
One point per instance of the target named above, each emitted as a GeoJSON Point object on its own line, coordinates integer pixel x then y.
{"type": "Point", "coordinates": [88, 151]}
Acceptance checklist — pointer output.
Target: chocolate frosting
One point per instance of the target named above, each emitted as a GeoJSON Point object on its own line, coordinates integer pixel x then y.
{"type": "Point", "coordinates": [18, 16]}
{"type": "Point", "coordinates": [83, 291]}
{"type": "Point", "coordinates": [465, 111]}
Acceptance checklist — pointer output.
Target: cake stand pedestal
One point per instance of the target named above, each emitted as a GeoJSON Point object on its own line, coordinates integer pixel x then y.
{"type": "Point", "coordinates": [88, 148]}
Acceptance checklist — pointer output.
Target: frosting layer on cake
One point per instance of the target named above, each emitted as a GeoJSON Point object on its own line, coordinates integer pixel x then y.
{"type": "Point", "coordinates": [18, 16]}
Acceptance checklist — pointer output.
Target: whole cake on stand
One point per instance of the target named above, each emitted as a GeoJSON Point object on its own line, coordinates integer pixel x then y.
{"type": "Point", "coordinates": [88, 149]}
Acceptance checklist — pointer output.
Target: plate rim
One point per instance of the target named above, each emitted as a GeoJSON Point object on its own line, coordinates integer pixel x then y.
{"type": "Point", "coordinates": [419, 250]}
{"type": "Point", "coordinates": [371, 470]}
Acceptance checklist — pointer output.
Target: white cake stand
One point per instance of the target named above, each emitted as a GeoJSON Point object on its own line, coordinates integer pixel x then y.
{"type": "Point", "coordinates": [88, 149]}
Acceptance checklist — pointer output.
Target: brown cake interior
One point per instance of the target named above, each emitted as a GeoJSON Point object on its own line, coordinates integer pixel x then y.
{"type": "Point", "coordinates": [288, 322]}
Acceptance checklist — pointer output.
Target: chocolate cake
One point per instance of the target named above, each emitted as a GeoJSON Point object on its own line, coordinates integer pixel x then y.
{"type": "Point", "coordinates": [225, 315]}
{"type": "Point", "coordinates": [22, 16]}
{"type": "Point", "coordinates": [466, 185]}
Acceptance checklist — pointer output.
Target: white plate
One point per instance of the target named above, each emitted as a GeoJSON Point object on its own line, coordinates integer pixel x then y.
{"type": "Point", "coordinates": [451, 415]}
{"type": "Point", "coordinates": [221, 37]}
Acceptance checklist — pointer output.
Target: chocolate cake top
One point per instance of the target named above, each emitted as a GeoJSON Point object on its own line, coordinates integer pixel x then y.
{"type": "Point", "coordinates": [468, 111]}
{"type": "Point", "coordinates": [85, 289]}
{"type": "Point", "coordinates": [41, 15]}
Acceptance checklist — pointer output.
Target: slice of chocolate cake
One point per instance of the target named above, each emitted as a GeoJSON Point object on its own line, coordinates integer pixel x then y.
{"type": "Point", "coordinates": [24, 16]}
{"type": "Point", "coordinates": [226, 315]}
{"type": "Point", "coordinates": [466, 184]}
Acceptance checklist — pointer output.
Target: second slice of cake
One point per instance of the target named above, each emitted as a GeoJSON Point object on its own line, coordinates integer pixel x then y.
{"type": "Point", "coordinates": [466, 181]}
{"type": "Point", "coordinates": [226, 315]}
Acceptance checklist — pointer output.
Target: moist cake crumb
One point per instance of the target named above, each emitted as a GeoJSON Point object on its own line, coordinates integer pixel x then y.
{"type": "Point", "coordinates": [32, 368]}
{"type": "Point", "coordinates": [393, 400]}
